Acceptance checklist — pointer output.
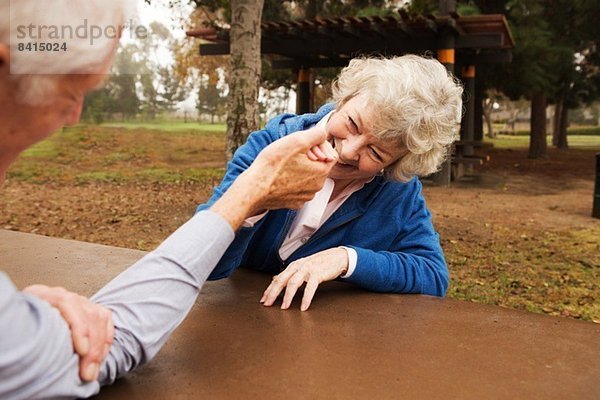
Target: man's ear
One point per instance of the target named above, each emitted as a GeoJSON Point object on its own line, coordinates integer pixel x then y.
{"type": "Point", "coordinates": [4, 55]}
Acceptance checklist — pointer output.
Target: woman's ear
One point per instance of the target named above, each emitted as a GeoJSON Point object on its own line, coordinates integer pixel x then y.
{"type": "Point", "coordinates": [4, 55]}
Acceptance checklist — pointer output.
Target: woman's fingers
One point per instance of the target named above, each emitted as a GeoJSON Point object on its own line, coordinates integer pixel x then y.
{"type": "Point", "coordinates": [309, 293]}
{"type": "Point", "coordinates": [273, 290]}
{"type": "Point", "coordinates": [311, 155]}
{"type": "Point", "coordinates": [328, 149]}
{"type": "Point", "coordinates": [291, 279]}
{"type": "Point", "coordinates": [278, 283]}
{"type": "Point", "coordinates": [322, 152]}
{"type": "Point", "coordinates": [319, 153]}
{"type": "Point", "coordinates": [293, 284]}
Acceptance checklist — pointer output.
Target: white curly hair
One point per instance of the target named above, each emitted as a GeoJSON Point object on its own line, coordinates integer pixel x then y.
{"type": "Point", "coordinates": [415, 102]}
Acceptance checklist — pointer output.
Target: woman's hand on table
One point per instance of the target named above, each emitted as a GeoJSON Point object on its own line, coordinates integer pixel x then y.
{"type": "Point", "coordinates": [91, 326]}
{"type": "Point", "coordinates": [313, 270]}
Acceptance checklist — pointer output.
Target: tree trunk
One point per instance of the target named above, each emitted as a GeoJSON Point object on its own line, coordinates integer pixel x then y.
{"type": "Point", "coordinates": [487, 116]}
{"type": "Point", "coordinates": [479, 94]}
{"type": "Point", "coordinates": [538, 147]}
{"type": "Point", "coordinates": [312, 9]}
{"type": "Point", "coordinates": [562, 131]}
{"type": "Point", "coordinates": [242, 117]}
{"type": "Point", "coordinates": [556, 121]}
{"type": "Point", "coordinates": [514, 114]}
{"type": "Point", "coordinates": [490, 127]}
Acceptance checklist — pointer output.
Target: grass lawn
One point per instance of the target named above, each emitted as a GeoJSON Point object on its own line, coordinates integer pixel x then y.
{"type": "Point", "coordinates": [169, 126]}
{"type": "Point", "coordinates": [90, 153]}
{"type": "Point", "coordinates": [525, 242]}
{"type": "Point", "coordinates": [575, 141]}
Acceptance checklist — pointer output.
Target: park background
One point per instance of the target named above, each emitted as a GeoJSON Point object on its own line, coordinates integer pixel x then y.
{"type": "Point", "coordinates": [517, 231]}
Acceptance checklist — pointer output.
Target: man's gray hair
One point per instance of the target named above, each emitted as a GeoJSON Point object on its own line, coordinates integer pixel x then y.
{"type": "Point", "coordinates": [414, 102]}
{"type": "Point", "coordinates": [36, 72]}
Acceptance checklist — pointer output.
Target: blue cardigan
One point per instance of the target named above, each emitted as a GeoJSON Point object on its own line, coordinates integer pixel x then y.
{"type": "Point", "coordinates": [387, 223]}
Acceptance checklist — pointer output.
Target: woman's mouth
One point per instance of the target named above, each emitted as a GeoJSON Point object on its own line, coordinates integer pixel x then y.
{"type": "Point", "coordinates": [340, 163]}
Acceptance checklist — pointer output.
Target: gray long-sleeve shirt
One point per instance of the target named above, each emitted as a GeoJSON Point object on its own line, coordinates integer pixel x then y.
{"type": "Point", "coordinates": [148, 301]}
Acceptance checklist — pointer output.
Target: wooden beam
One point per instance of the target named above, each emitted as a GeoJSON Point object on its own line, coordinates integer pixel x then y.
{"type": "Point", "coordinates": [214, 49]}
{"type": "Point", "coordinates": [497, 56]}
{"type": "Point", "coordinates": [310, 63]}
{"type": "Point", "coordinates": [487, 41]}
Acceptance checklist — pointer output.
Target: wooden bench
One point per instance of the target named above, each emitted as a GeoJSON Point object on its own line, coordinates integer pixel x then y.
{"type": "Point", "coordinates": [462, 160]}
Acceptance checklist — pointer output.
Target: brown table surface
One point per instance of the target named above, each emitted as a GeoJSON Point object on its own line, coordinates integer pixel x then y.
{"type": "Point", "coordinates": [350, 344]}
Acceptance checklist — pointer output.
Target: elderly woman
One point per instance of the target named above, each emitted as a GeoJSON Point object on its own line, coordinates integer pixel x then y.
{"type": "Point", "coordinates": [392, 121]}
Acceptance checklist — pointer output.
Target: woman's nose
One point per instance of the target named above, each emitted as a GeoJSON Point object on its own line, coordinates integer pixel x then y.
{"type": "Point", "coordinates": [350, 149]}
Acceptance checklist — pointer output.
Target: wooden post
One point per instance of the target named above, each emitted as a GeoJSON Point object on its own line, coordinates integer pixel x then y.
{"type": "Point", "coordinates": [303, 91]}
{"type": "Point", "coordinates": [445, 55]}
{"type": "Point", "coordinates": [467, 127]}
{"type": "Point", "coordinates": [446, 7]}
{"type": "Point", "coordinates": [478, 129]}
{"type": "Point", "coordinates": [468, 121]}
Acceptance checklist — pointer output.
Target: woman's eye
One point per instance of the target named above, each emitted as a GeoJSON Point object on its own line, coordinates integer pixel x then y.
{"type": "Point", "coordinates": [353, 124]}
{"type": "Point", "coordinates": [375, 154]}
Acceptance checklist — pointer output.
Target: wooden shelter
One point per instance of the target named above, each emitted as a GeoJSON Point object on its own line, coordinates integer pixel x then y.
{"type": "Point", "coordinates": [460, 43]}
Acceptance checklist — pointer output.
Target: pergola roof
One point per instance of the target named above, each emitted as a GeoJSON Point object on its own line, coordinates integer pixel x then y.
{"type": "Point", "coordinates": [324, 42]}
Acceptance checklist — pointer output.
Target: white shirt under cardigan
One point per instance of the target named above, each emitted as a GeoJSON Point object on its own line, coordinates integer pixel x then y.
{"type": "Point", "coordinates": [314, 214]}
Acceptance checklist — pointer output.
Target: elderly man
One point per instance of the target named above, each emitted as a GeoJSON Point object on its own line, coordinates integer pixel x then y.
{"type": "Point", "coordinates": [57, 344]}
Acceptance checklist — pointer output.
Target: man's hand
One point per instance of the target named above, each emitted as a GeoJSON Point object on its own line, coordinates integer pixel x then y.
{"type": "Point", "coordinates": [286, 174]}
{"type": "Point", "coordinates": [281, 176]}
{"type": "Point", "coordinates": [320, 267]}
{"type": "Point", "coordinates": [91, 326]}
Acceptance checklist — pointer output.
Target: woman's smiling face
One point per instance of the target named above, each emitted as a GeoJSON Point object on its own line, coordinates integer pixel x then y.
{"type": "Point", "coordinates": [361, 154]}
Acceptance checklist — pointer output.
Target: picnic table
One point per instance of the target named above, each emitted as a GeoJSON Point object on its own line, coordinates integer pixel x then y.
{"type": "Point", "coordinates": [350, 344]}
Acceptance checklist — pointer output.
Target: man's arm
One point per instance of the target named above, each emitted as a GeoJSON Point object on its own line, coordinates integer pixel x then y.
{"type": "Point", "coordinates": [150, 299]}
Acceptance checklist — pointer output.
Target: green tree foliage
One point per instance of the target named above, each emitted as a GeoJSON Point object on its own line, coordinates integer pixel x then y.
{"type": "Point", "coordinates": [122, 83]}
{"type": "Point", "coordinates": [161, 92]}
{"type": "Point", "coordinates": [119, 95]}
{"type": "Point", "coordinates": [555, 55]}
{"type": "Point", "coordinates": [138, 82]}
{"type": "Point", "coordinates": [211, 100]}
{"type": "Point", "coordinates": [160, 88]}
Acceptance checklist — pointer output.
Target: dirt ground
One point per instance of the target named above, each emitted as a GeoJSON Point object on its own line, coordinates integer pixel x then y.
{"type": "Point", "coordinates": [518, 233]}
